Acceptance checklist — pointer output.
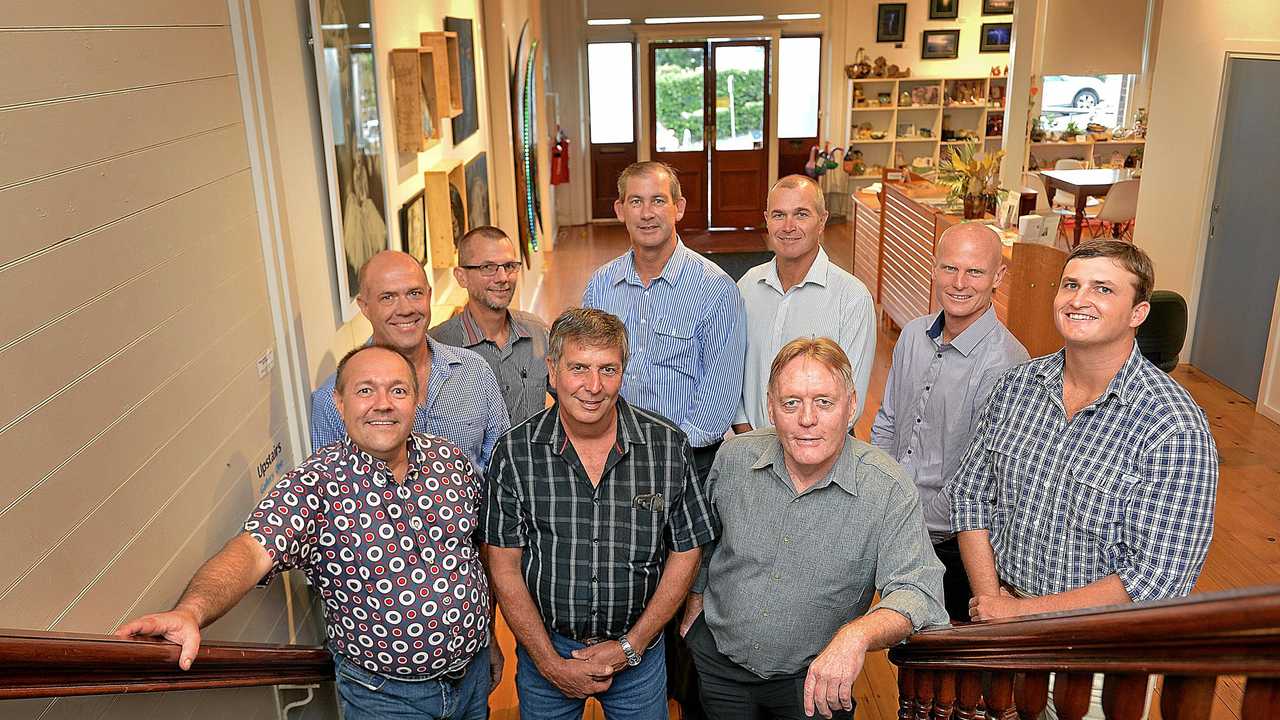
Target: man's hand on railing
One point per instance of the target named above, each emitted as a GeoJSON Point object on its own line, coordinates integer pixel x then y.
{"type": "Point", "coordinates": [993, 607]}
{"type": "Point", "coordinates": [177, 626]}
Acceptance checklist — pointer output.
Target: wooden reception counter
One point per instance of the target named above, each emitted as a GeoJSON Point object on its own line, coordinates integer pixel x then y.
{"type": "Point", "coordinates": [894, 234]}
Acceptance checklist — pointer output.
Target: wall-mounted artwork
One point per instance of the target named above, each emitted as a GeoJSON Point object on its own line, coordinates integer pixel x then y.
{"type": "Point", "coordinates": [891, 22]}
{"type": "Point", "coordinates": [445, 188]}
{"type": "Point", "coordinates": [477, 174]}
{"type": "Point", "coordinates": [997, 7]}
{"type": "Point", "coordinates": [448, 69]}
{"type": "Point", "coordinates": [466, 124]}
{"type": "Point", "coordinates": [413, 227]}
{"type": "Point", "coordinates": [348, 94]}
{"type": "Point", "coordinates": [944, 9]}
{"type": "Point", "coordinates": [940, 45]}
{"type": "Point", "coordinates": [417, 108]}
{"type": "Point", "coordinates": [523, 68]}
{"type": "Point", "coordinates": [996, 37]}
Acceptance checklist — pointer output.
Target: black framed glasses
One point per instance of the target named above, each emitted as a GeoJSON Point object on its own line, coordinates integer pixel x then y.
{"type": "Point", "coordinates": [491, 269]}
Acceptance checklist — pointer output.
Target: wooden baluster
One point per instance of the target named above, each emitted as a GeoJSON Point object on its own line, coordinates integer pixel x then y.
{"type": "Point", "coordinates": [1124, 696]}
{"type": "Point", "coordinates": [1261, 699]}
{"type": "Point", "coordinates": [944, 696]}
{"type": "Point", "coordinates": [1031, 694]}
{"type": "Point", "coordinates": [1187, 697]}
{"type": "Point", "coordinates": [906, 693]}
{"type": "Point", "coordinates": [969, 692]}
{"type": "Point", "coordinates": [924, 694]}
{"type": "Point", "coordinates": [1071, 694]}
{"type": "Point", "coordinates": [1000, 699]}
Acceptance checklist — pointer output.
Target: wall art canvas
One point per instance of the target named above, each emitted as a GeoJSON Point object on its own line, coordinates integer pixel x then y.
{"type": "Point", "coordinates": [997, 7]}
{"type": "Point", "coordinates": [348, 94]}
{"type": "Point", "coordinates": [940, 45]}
{"type": "Point", "coordinates": [995, 37]}
{"type": "Point", "coordinates": [944, 9]}
{"type": "Point", "coordinates": [413, 227]}
{"type": "Point", "coordinates": [465, 125]}
{"type": "Point", "coordinates": [477, 174]}
{"type": "Point", "coordinates": [891, 22]}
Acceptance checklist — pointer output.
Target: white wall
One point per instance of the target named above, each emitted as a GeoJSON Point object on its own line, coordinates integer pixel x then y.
{"type": "Point", "coordinates": [1178, 169]}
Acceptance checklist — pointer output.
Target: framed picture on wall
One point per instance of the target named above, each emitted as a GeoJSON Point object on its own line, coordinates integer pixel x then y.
{"type": "Point", "coordinates": [891, 22]}
{"type": "Point", "coordinates": [944, 9]}
{"type": "Point", "coordinates": [940, 45]}
{"type": "Point", "coordinates": [413, 227]}
{"type": "Point", "coordinates": [997, 7]}
{"type": "Point", "coordinates": [995, 37]}
{"type": "Point", "coordinates": [466, 124]}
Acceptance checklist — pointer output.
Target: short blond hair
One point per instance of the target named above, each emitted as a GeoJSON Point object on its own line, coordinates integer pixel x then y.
{"type": "Point", "coordinates": [797, 182]}
{"type": "Point", "coordinates": [822, 349]}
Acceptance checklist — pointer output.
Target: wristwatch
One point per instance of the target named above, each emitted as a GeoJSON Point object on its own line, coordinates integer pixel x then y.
{"type": "Point", "coordinates": [633, 657]}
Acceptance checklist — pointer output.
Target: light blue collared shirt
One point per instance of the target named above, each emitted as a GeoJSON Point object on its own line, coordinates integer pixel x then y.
{"type": "Point", "coordinates": [687, 332]}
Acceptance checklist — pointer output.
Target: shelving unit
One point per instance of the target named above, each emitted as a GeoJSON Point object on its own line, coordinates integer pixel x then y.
{"type": "Point", "coordinates": [891, 115]}
{"type": "Point", "coordinates": [1096, 153]}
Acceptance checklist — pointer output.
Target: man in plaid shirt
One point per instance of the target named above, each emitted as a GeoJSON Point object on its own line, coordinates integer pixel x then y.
{"type": "Point", "coordinates": [1092, 475]}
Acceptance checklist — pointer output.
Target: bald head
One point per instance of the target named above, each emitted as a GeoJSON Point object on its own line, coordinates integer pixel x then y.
{"type": "Point", "coordinates": [396, 298]}
{"type": "Point", "coordinates": [968, 267]}
{"type": "Point", "coordinates": [386, 261]}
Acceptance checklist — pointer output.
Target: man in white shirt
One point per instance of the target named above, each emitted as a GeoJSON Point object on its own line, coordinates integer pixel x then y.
{"type": "Point", "coordinates": [801, 293]}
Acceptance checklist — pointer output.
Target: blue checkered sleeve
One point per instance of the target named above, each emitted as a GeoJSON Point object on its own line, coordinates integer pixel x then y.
{"type": "Point", "coordinates": [973, 487]}
{"type": "Point", "coordinates": [1170, 523]}
{"type": "Point", "coordinates": [326, 423]}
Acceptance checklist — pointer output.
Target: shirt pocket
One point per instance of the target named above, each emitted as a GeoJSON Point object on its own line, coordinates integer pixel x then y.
{"type": "Point", "coordinates": [843, 574]}
{"type": "Point", "coordinates": [674, 347]}
{"type": "Point", "coordinates": [1099, 498]}
{"type": "Point", "coordinates": [1012, 462]}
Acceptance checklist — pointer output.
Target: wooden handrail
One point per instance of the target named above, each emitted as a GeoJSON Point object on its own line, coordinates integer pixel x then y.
{"type": "Point", "coordinates": [37, 664]}
{"type": "Point", "coordinates": [1190, 640]}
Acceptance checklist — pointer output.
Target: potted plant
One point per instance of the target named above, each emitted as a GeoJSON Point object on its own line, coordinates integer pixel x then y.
{"type": "Point", "coordinates": [972, 177]}
{"type": "Point", "coordinates": [1073, 132]}
{"type": "Point", "coordinates": [1037, 130]}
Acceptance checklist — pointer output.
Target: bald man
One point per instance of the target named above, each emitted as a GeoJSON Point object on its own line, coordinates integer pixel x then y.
{"type": "Point", "coordinates": [460, 400]}
{"type": "Point", "coordinates": [944, 367]}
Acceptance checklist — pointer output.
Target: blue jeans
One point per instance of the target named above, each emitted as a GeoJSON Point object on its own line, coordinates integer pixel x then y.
{"type": "Point", "coordinates": [637, 693]}
{"type": "Point", "coordinates": [369, 696]}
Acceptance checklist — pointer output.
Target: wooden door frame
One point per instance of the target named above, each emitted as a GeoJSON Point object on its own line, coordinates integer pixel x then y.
{"type": "Point", "coordinates": [589, 146]}
{"type": "Point", "coordinates": [766, 134]}
{"type": "Point", "coordinates": [708, 96]}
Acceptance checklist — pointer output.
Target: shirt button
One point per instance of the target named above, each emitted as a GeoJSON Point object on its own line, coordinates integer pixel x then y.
{"type": "Point", "coordinates": [642, 321]}
{"type": "Point", "coordinates": [917, 421]}
{"type": "Point", "coordinates": [786, 538]}
{"type": "Point", "coordinates": [595, 541]}
{"type": "Point", "coordinates": [416, 524]}
{"type": "Point", "coordinates": [595, 579]}
{"type": "Point", "coordinates": [756, 646]}
{"type": "Point", "coordinates": [777, 576]}
{"type": "Point", "coordinates": [939, 355]}
{"type": "Point", "coordinates": [908, 452]}
{"type": "Point", "coordinates": [926, 387]}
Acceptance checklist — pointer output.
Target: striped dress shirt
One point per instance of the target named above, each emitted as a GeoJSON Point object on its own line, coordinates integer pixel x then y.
{"type": "Point", "coordinates": [687, 332]}
{"type": "Point", "coordinates": [1126, 487]}
{"type": "Point", "coordinates": [462, 404]}
{"type": "Point", "coordinates": [593, 555]}
{"type": "Point", "coordinates": [519, 365]}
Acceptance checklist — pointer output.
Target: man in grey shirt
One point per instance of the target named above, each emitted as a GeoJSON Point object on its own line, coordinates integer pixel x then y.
{"type": "Point", "coordinates": [514, 343]}
{"type": "Point", "coordinates": [814, 523]}
{"type": "Point", "coordinates": [944, 367]}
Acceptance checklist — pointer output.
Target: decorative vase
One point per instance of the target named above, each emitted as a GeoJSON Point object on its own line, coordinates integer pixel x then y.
{"type": "Point", "coordinates": [974, 207]}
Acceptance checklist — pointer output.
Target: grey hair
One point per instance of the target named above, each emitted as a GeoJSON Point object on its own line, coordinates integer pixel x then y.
{"type": "Point", "coordinates": [591, 327]}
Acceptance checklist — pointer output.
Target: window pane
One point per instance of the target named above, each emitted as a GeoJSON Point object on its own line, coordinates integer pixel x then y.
{"type": "Point", "coordinates": [609, 87]}
{"type": "Point", "coordinates": [798, 67]}
{"type": "Point", "coordinates": [739, 97]}
{"type": "Point", "coordinates": [678, 101]}
{"type": "Point", "coordinates": [1083, 99]}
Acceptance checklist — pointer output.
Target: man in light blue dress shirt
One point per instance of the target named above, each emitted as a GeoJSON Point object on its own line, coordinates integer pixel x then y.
{"type": "Point", "coordinates": [683, 314]}
{"type": "Point", "coordinates": [801, 293]}
{"type": "Point", "coordinates": [460, 401]}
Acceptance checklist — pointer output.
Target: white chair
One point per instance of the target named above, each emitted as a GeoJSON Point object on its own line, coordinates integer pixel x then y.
{"type": "Point", "coordinates": [1032, 181]}
{"type": "Point", "coordinates": [1066, 199]}
{"type": "Point", "coordinates": [1119, 208]}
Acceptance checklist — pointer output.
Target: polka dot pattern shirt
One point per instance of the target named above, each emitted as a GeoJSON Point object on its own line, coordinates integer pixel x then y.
{"type": "Point", "coordinates": [396, 565]}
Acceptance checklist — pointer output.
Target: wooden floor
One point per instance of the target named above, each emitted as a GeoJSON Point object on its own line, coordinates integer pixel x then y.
{"type": "Point", "coordinates": [1246, 542]}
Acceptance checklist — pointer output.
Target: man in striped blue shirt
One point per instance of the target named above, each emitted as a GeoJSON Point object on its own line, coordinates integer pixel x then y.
{"type": "Point", "coordinates": [684, 315]}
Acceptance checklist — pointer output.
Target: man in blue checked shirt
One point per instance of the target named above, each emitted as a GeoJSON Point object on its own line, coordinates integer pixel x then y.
{"type": "Point", "coordinates": [687, 329]}
{"type": "Point", "coordinates": [461, 401]}
{"type": "Point", "coordinates": [1092, 475]}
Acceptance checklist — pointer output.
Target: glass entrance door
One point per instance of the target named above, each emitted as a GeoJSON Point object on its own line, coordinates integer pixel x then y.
{"type": "Point", "coordinates": [678, 128]}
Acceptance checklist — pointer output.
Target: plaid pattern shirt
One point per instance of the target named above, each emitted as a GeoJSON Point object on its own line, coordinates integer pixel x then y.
{"type": "Point", "coordinates": [593, 555]}
{"type": "Point", "coordinates": [1125, 488]}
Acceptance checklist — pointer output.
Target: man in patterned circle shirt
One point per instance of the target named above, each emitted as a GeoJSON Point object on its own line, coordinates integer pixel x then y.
{"type": "Point", "coordinates": [383, 525]}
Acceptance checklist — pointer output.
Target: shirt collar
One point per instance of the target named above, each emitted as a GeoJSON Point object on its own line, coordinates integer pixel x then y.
{"type": "Point", "coordinates": [817, 274]}
{"type": "Point", "coordinates": [550, 431]}
{"type": "Point", "coordinates": [626, 271]}
{"type": "Point", "coordinates": [967, 340]}
{"type": "Point", "coordinates": [474, 335]}
{"type": "Point", "coordinates": [1122, 386]}
{"type": "Point", "coordinates": [772, 455]}
{"type": "Point", "coordinates": [380, 473]}
{"type": "Point", "coordinates": [442, 355]}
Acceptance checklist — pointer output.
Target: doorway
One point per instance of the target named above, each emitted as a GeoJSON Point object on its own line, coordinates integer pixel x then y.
{"type": "Point", "coordinates": [710, 122]}
{"type": "Point", "coordinates": [1241, 266]}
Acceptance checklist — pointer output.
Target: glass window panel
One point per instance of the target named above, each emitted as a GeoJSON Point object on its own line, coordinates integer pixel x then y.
{"type": "Point", "coordinates": [798, 73]}
{"type": "Point", "coordinates": [678, 100]}
{"type": "Point", "coordinates": [610, 92]}
{"type": "Point", "coordinates": [739, 97]}
{"type": "Point", "coordinates": [1082, 99]}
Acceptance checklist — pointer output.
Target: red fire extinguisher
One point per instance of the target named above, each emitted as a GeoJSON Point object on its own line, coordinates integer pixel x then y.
{"type": "Point", "coordinates": [560, 159]}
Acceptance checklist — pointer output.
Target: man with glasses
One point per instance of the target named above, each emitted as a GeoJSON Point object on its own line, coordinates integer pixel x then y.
{"type": "Point", "coordinates": [513, 342]}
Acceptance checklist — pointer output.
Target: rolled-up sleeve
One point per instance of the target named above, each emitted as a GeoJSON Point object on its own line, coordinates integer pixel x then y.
{"type": "Point", "coordinates": [1170, 522]}
{"type": "Point", "coordinates": [689, 524]}
{"type": "Point", "coordinates": [908, 573]}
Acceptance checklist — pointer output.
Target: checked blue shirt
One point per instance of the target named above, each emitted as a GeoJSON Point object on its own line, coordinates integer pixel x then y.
{"type": "Point", "coordinates": [1126, 487]}
{"type": "Point", "coordinates": [463, 405]}
{"type": "Point", "coordinates": [688, 336]}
